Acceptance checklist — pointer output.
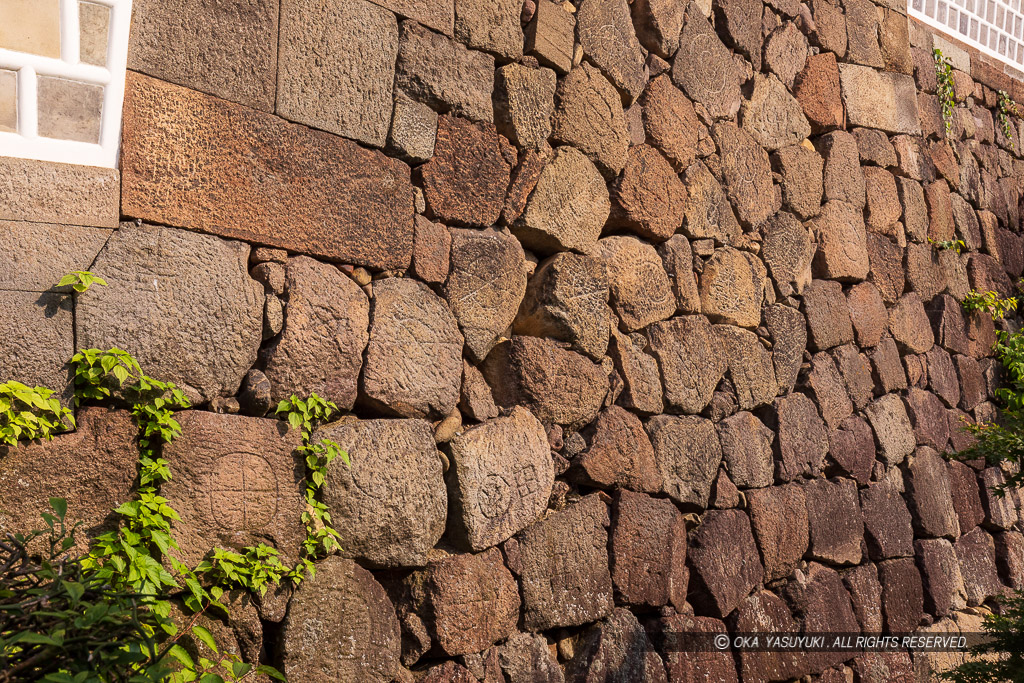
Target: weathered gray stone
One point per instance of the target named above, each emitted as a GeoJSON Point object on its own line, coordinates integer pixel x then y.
{"type": "Point", "coordinates": [414, 356]}
{"type": "Point", "coordinates": [501, 478]}
{"type": "Point", "coordinates": [38, 255]}
{"type": "Point", "coordinates": [704, 68]}
{"type": "Point", "coordinates": [724, 562]}
{"type": "Point", "coordinates": [879, 99]}
{"type": "Point", "coordinates": [691, 361]}
{"type": "Point", "coordinates": [568, 207]}
{"type": "Point", "coordinates": [321, 348]}
{"type": "Point", "coordinates": [236, 484]}
{"type": "Point", "coordinates": [37, 339]}
{"type": "Point", "coordinates": [485, 286]}
{"type": "Point", "coordinates": [181, 303]}
{"type": "Point", "coordinates": [347, 92]}
{"type": "Point", "coordinates": [564, 567]}
{"type": "Point", "coordinates": [525, 101]}
{"type": "Point", "coordinates": [413, 129]}
{"type": "Point", "coordinates": [391, 500]}
{"type": "Point", "coordinates": [641, 293]}
{"type": "Point", "coordinates": [892, 428]}
{"type": "Point", "coordinates": [688, 454]}
{"type": "Point", "coordinates": [772, 116]}
{"type": "Point", "coordinates": [490, 26]}
{"type": "Point", "coordinates": [438, 71]}
{"type": "Point", "coordinates": [605, 30]}
{"type": "Point", "coordinates": [341, 625]}
{"type": "Point", "coordinates": [747, 172]}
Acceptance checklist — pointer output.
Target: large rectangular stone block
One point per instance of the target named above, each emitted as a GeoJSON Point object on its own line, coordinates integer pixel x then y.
{"type": "Point", "coordinates": [37, 255]}
{"type": "Point", "coordinates": [198, 162]}
{"type": "Point", "coordinates": [879, 99]}
{"type": "Point", "coordinates": [436, 14]}
{"type": "Point", "coordinates": [46, 192]}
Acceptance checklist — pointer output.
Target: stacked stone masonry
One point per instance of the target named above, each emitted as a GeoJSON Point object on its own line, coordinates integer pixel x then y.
{"type": "Point", "coordinates": [634, 313]}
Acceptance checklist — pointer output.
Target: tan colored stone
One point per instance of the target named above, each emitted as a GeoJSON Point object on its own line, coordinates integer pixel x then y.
{"type": "Point", "coordinates": [688, 454]}
{"type": "Point", "coordinates": [640, 290]}
{"type": "Point", "coordinates": [589, 117]}
{"type": "Point", "coordinates": [649, 196]}
{"type": "Point", "coordinates": [747, 172]}
{"type": "Point", "coordinates": [550, 36]}
{"type": "Point", "coordinates": [691, 361]}
{"type": "Point", "coordinates": [525, 101]}
{"type": "Point", "coordinates": [38, 255]}
{"type": "Point", "coordinates": [703, 67]}
{"type": "Point", "coordinates": [879, 99]}
{"type": "Point", "coordinates": [772, 116]}
{"type": "Point", "coordinates": [670, 121]}
{"type": "Point", "coordinates": [69, 194]}
{"type": "Point", "coordinates": [490, 26]}
{"type": "Point", "coordinates": [732, 288]}
{"type": "Point", "coordinates": [842, 243]}
{"type": "Point", "coordinates": [605, 31]}
{"type": "Point", "coordinates": [31, 26]}
{"type": "Point", "coordinates": [708, 213]}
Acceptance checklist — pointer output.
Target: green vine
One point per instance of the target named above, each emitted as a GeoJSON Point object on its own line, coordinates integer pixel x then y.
{"type": "Point", "coordinates": [1006, 109]}
{"type": "Point", "coordinates": [953, 245]}
{"type": "Point", "coordinates": [946, 87]}
{"type": "Point", "coordinates": [990, 303]}
{"type": "Point", "coordinates": [28, 413]}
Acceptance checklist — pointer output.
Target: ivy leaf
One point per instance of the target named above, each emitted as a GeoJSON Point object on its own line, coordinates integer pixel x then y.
{"type": "Point", "coordinates": [206, 637]}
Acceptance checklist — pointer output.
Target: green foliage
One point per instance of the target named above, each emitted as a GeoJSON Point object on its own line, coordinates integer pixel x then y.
{"type": "Point", "coordinates": [990, 303]}
{"type": "Point", "coordinates": [81, 280]}
{"type": "Point", "coordinates": [255, 569]}
{"type": "Point", "coordinates": [1004, 652]}
{"type": "Point", "coordinates": [321, 538]}
{"type": "Point", "coordinates": [946, 87]}
{"type": "Point", "coordinates": [1006, 108]}
{"type": "Point", "coordinates": [30, 413]}
{"type": "Point", "coordinates": [954, 245]}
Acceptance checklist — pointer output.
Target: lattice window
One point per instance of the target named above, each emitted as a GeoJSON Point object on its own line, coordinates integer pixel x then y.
{"type": "Point", "coordinates": [62, 67]}
{"type": "Point", "coordinates": [995, 27]}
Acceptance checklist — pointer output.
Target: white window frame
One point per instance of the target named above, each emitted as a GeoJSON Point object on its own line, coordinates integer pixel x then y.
{"type": "Point", "coordinates": [1015, 60]}
{"type": "Point", "coordinates": [26, 142]}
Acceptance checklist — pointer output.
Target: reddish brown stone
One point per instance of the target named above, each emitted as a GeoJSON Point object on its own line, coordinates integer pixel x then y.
{"type": "Point", "coordinates": [856, 373]}
{"type": "Point", "coordinates": [618, 454]}
{"type": "Point", "coordinates": [823, 604]}
{"type": "Point", "coordinates": [942, 583]}
{"type": "Point", "coordinates": [648, 551]}
{"type": "Point", "coordinates": [946, 315]}
{"type": "Point", "coordinates": [431, 247]}
{"type": "Point", "coordinates": [925, 275]}
{"type": "Point", "coordinates": [802, 441]}
{"type": "Point", "coordinates": [844, 178]}
{"type": "Point", "coordinates": [940, 211]}
{"type": "Point", "coordinates": [703, 665]}
{"type": "Point", "coordinates": [977, 554]}
{"type": "Point", "coordinates": [884, 666]}
{"type": "Point", "coordinates": [724, 562]}
{"type": "Point", "coordinates": [852, 449]}
{"type": "Point", "coordinates": [963, 486]}
{"type": "Point", "coordinates": [191, 160]}
{"type": "Point", "coordinates": [616, 644]}
{"type": "Point", "coordinates": [649, 196]}
{"type": "Point", "coordinates": [866, 595]}
{"type": "Point", "coordinates": [867, 313]}
{"type": "Point", "coordinates": [883, 202]}
{"type": "Point", "coordinates": [1000, 511]}
{"type": "Point", "coordinates": [886, 368]}
{"type": "Point", "coordinates": [466, 180]}
{"type": "Point", "coordinates": [765, 612]}
{"type": "Point", "coordinates": [747, 449]}
{"type": "Point", "coordinates": [449, 672]}
{"type": "Point", "coordinates": [801, 169]}
{"type": "Point", "coordinates": [885, 259]}
{"type": "Point", "coordinates": [817, 90]}
{"type": "Point", "coordinates": [827, 389]}
{"type": "Point", "coordinates": [910, 326]}
{"type": "Point", "coordinates": [1010, 558]}
{"type": "Point", "coordinates": [928, 418]}
{"type": "Point", "coordinates": [670, 121]}
{"type": "Point", "coordinates": [928, 495]}
{"type": "Point", "coordinates": [887, 527]}
{"type": "Point", "coordinates": [524, 179]}
{"type": "Point", "coordinates": [828, 315]}
{"type": "Point", "coordinates": [836, 525]}
{"type": "Point", "coordinates": [778, 515]}
{"type": "Point", "coordinates": [902, 594]}
{"type": "Point", "coordinates": [942, 376]}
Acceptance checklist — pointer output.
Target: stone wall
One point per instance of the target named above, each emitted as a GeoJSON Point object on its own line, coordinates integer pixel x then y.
{"type": "Point", "coordinates": [634, 312]}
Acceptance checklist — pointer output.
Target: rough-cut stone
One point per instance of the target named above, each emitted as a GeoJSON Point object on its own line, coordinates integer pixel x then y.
{"type": "Point", "coordinates": [787, 250]}
{"type": "Point", "coordinates": [843, 177]}
{"type": "Point", "coordinates": [788, 331]}
{"type": "Point", "coordinates": [182, 304]}
{"type": "Point", "coordinates": [724, 562]}
{"type": "Point", "coordinates": [641, 293]}
{"type": "Point", "coordinates": [347, 92]}
{"type": "Point", "coordinates": [605, 30]}
{"type": "Point", "coordinates": [230, 50]}
{"type": "Point", "coordinates": [568, 207]}
{"type": "Point", "coordinates": [341, 625]}
{"type": "Point", "coordinates": [704, 68]}
{"type": "Point", "coordinates": [977, 555]}
{"type": "Point", "coordinates": [902, 594]}
{"type": "Point", "coordinates": [765, 612]}
{"type": "Point", "coordinates": [925, 274]}
{"type": "Point", "coordinates": [524, 102]}
{"type": "Point", "coordinates": [617, 646]}
{"type": "Point", "coordinates": [639, 372]}
{"type": "Point", "coordinates": [649, 196]}
{"type": "Point", "coordinates": [490, 26]}
{"type": "Point", "coordinates": [485, 286]}
{"type": "Point", "coordinates": [909, 324]}
{"type": "Point", "coordinates": [37, 338]}
{"type": "Point", "coordinates": [438, 15]}
{"type": "Point", "coordinates": [432, 246]}
{"type": "Point", "coordinates": [802, 438]}
{"type": "Point", "coordinates": [750, 366]}
{"type": "Point", "coordinates": [391, 500]}
{"type": "Point", "coordinates": [892, 427]}
{"type": "Point", "coordinates": [618, 454]}
{"type": "Point", "coordinates": [502, 478]}
{"type": "Point", "coordinates": [564, 567]}
{"type": "Point", "coordinates": [413, 129]}
{"type": "Point", "coordinates": [883, 202]}
{"type": "Point", "coordinates": [1010, 558]}
{"type": "Point", "coordinates": [942, 377]}
{"type": "Point", "coordinates": [785, 53]}
{"type": "Point", "coordinates": [874, 147]}
{"type": "Point", "coordinates": [820, 599]}
{"type": "Point", "coordinates": [855, 370]}
{"type": "Point", "coordinates": [886, 261]}
{"type": "Point", "coordinates": [732, 288]}
{"type": "Point", "coordinates": [852, 449]}
{"type": "Point", "coordinates": [926, 414]}
{"type": "Point", "coordinates": [669, 119]}
{"type": "Point", "coordinates": [972, 381]}
{"type": "Point", "coordinates": [93, 469]}
{"type": "Point", "coordinates": [38, 255]}
{"type": "Point", "coordinates": [476, 400]}
{"type": "Point", "coordinates": [589, 117]}
{"type": "Point", "coordinates": [778, 515]}
{"type": "Point", "coordinates": [928, 493]}
{"type": "Point", "coordinates": [556, 384]}
{"type": "Point", "coordinates": [677, 257]}
{"type": "Point", "coordinates": [817, 90]}
{"type": "Point", "coordinates": [886, 367]}
{"type": "Point", "coordinates": [866, 594]}
{"type": "Point", "coordinates": [942, 583]}
{"type": "Point", "coordinates": [414, 356]}
{"type": "Point", "coordinates": [688, 453]}
{"type": "Point", "coordinates": [772, 116]}
{"type": "Point", "coordinates": [525, 658]}
{"type": "Point", "coordinates": [867, 313]}
{"type": "Point", "coordinates": [1000, 511]}
{"type": "Point", "coordinates": [658, 24]}
{"type": "Point", "coordinates": [321, 348]}
{"type": "Point", "coordinates": [747, 450]}
{"type": "Point", "coordinates": [438, 71]}
{"type": "Point", "coordinates": [741, 21]}
{"type": "Point", "coordinates": [187, 160]}
{"type": "Point", "coordinates": [801, 170]}
{"type": "Point", "coordinates": [887, 527]}
{"type": "Point", "coordinates": [648, 548]}
{"type": "Point", "coordinates": [236, 483]}
{"type": "Point", "coordinates": [879, 99]}
{"type": "Point", "coordinates": [705, 664]}
{"type": "Point", "coordinates": [834, 516]}
{"type": "Point", "coordinates": [465, 181]}
{"type": "Point", "coordinates": [828, 315]}
{"type": "Point", "coordinates": [567, 299]}
{"type": "Point", "coordinates": [690, 359]}
{"type": "Point", "coordinates": [842, 242]}
{"type": "Point", "coordinates": [963, 485]}
{"type": "Point", "coordinates": [862, 29]}
{"type": "Point", "coordinates": [747, 172]}
{"type": "Point", "coordinates": [470, 601]}
{"type": "Point", "coordinates": [708, 213]}
{"type": "Point", "coordinates": [550, 36]}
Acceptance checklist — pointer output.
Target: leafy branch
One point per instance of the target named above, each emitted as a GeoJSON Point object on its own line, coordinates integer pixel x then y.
{"type": "Point", "coordinates": [946, 87]}
{"type": "Point", "coordinates": [1006, 109]}
{"type": "Point", "coordinates": [81, 280]}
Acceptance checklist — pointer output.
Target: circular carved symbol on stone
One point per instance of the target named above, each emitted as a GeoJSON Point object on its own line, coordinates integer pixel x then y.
{"type": "Point", "coordinates": [707, 69]}
{"type": "Point", "coordinates": [243, 492]}
{"type": "Point", "coordinates": [495, 496]}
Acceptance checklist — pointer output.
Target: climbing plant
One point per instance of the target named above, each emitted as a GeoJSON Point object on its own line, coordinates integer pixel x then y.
{"type": "Point", "coordinates": [945, 88]}
{"type": "Point", "coordinates": [81, 280]}
{"type": "Point", "coordinates": [990, 303]}
{"type": "Point", "coordinates": [1006, 109]}
{"type": "Point", "coordinates": [951, 245]}
{"type": "Point", "coordinates": [28, 413]}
